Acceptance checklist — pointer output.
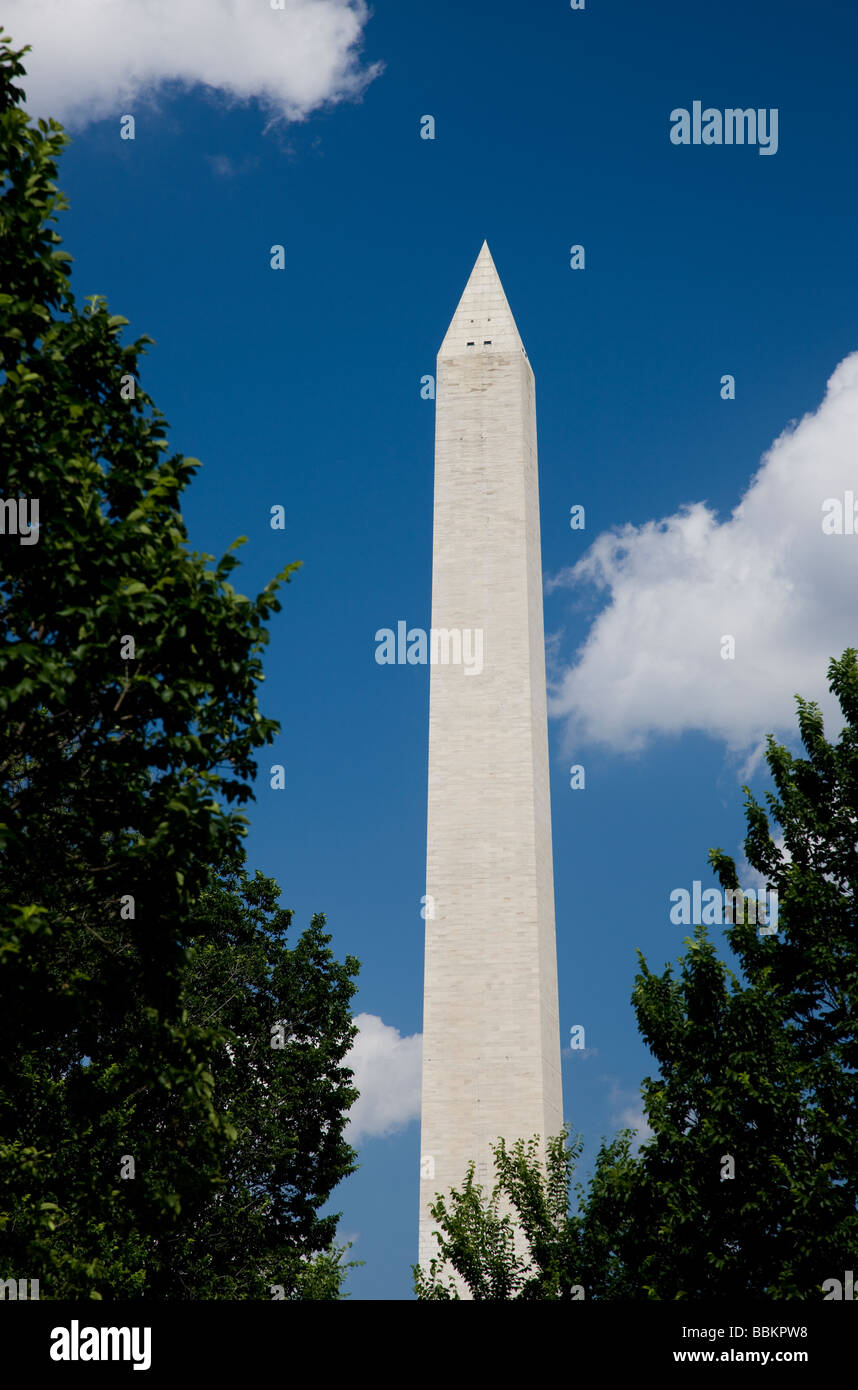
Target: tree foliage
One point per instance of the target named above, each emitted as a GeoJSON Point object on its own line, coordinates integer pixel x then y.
{"type": "Point", "coordinates": [284, 1028]}
{"type": "Point", "coordinates": [129, 720]}
{"type": "Point", "coordinates": [477, 1235]}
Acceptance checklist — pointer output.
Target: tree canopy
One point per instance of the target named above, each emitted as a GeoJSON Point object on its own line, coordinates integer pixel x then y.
{"type": "Point", "coordinates": [138, 966]}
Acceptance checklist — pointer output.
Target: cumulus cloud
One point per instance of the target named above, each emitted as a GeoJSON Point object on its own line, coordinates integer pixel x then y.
{"type": "Point", "coordinates": [767, 576]}
{"type": "Point", "coordinates": [633, 1117]}
{"type": "Point", "coordinates": [387, 1074]}
{"type": "Point", "coordinates": [92, 57]}
{"type": "Point", "coordinates": [630, 1115]}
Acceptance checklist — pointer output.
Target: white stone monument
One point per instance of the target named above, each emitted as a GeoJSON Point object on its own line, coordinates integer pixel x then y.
{"type": "Point", "coordinates": [491, 1035]}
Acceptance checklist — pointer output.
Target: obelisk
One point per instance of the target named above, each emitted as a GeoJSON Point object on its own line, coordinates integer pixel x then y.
{"type": "Point", "coordinates": [491, 1036]}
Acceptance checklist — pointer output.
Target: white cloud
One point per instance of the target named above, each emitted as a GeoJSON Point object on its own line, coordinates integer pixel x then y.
{"type": "Point", "coordinates": [767, 575]}
{"type": "Point", "coordinates": [225, 168]}
{"type": "Point", "coordinates": [630, 1115]}
{"type": "Point", "coordinates": [387, 1074]}
{"type": "Point", "coordinates": [633, 1117]}
{"type": "Point", "coordinates": [93, 58]}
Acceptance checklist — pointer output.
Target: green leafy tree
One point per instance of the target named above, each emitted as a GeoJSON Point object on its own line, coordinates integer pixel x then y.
{"type": "Point", "coordinates": [477, 1235]}
{"type": "Point", "coordinates": [718, 1203]}
{"type": "Point", "coordinates": [284, 1028]}
{"type": "Point", "coordinates": [128, 726]}
{"type": "Point", "coordinates": [748, 1186]}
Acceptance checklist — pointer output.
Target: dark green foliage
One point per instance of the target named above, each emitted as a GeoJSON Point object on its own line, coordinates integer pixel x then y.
{"type": "Point", "coordinates": [122, 769]}
{"type": "Point", "coordinates": [286, 1103]}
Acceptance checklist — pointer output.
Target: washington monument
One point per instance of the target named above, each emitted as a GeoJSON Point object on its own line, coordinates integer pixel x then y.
{"type": "Point", "coordinates": [491, 1035]}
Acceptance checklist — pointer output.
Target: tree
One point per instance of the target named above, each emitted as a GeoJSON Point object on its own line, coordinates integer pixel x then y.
{"type": "Point", "coordinates": [480, 1244]}
{"type": "Point", "coordinates": [748, 1186]}
{"type": "Point", "coordinates": [284, 1028]}
{"type": "Point", "coordinates": [248, 1225]}
{"type": "Point", "coordinates": [128, 724]}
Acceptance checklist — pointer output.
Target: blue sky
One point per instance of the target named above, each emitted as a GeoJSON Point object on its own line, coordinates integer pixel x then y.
{"type": "Point", "coordinates": [302, 388]}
